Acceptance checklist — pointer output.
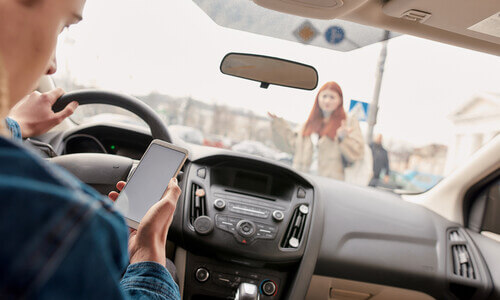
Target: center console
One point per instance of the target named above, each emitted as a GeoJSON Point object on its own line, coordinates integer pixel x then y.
{"type": "Point", "coordinates": [242, 226]}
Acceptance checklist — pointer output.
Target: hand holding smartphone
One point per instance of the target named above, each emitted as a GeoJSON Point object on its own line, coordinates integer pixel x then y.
{"type": "Point", "coordinates": [161, 162]}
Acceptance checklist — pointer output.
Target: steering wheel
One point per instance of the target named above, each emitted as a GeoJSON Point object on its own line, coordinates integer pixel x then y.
{"type": "Point", "coordinates": [103, 171]}
{"type": "Point", "coordinates": [132, 104]}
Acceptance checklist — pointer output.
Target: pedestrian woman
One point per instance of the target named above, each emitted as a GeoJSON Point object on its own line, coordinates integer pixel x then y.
{"type": "Point", "coordinates": [328, 142]}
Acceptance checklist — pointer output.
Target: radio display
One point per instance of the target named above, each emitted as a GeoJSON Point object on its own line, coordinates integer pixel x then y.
{"type": "Point", "coordinates": [267, 184]}
{"type": "Point", "coordinates": [252, 182]}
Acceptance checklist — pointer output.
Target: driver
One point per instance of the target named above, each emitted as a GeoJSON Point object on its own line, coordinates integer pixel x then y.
{"type": "Point", "coordinates": [61, 239]}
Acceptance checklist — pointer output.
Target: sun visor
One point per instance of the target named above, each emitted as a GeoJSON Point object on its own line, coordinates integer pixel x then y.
{"type": "Point", "coordinates": [333, 34]}
{"type": "Point", "coordinates": [465, 17]}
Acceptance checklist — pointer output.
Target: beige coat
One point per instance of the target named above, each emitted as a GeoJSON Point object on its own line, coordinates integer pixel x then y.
{"type": "Point", "coordinates": [329, 151]}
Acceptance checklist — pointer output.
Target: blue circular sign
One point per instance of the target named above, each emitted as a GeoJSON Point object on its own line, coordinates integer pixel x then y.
{"type": "Point", "coordinates": [334, 35]}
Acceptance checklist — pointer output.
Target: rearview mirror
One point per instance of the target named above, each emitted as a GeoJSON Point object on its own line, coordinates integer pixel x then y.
{"type": "Point", "coordinates": [270, 70]}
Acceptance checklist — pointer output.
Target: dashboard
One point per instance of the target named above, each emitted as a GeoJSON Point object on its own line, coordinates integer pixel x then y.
{"type": "Point", "coordinates": [246, 226]}
{"type": "Point", "coordinates": [241, 220]}
{"type": "Point", "coordinates": [244, 219]}
{"type": "Point", "coordinates": [106, 139]}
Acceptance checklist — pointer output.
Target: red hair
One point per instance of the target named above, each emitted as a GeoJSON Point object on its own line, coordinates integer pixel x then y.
{"type": "Point", "coordinates": [315, 123]}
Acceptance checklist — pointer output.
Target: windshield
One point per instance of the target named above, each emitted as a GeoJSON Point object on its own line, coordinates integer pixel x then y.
{"type": "Point", "coordinates": [437, 104]}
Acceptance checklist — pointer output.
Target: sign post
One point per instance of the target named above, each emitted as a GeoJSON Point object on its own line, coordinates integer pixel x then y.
{"type": "Point", "coordinates": [372, 114]}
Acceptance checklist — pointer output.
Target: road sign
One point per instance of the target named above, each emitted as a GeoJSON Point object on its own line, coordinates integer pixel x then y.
{"type": "Point", "coordinates": [359, 109]}
{"type": "Point", "coordinates": [306, 32]}
{"type": "Point", "coordinates": [334, 35]}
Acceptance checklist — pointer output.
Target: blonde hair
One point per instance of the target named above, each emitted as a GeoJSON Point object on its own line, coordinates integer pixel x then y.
{"type": "Point", "coordinates": [4, 99]}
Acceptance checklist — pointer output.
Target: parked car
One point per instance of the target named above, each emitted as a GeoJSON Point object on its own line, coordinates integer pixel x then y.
{"type": "Point", "coordinates": [422, 181]}
{"type": "Point", "coordinates": [259, 149]}
{"type": "Point", "coordinates": [187, 134]}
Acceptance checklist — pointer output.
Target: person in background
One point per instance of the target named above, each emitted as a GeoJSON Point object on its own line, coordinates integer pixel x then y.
{"type": "Point", "coordinates": [380, 162]}
{"type": "Point", "coordinates": [328, 142]}
{"type": "Point", "coordinates": [62, 239]}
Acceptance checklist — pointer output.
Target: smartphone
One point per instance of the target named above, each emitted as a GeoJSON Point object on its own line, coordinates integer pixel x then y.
{"type": "Point", "coordinates": [161, 162]}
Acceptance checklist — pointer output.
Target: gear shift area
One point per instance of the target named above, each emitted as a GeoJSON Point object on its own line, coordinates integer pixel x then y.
{"type": "Point", "coordinates": [247, 291]}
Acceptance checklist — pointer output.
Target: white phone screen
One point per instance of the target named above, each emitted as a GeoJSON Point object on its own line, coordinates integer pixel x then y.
{"type": "Point", "coordinates": [149, 181]}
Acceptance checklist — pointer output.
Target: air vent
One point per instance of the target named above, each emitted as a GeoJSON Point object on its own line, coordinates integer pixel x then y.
{"type": "Point", "coordinates": [198, 203]}
{"type": "Point", "coordinates": [416, 15]}
{"type": "Point", "coordinates": [295, 230]}
{"type": "Point", "coordinates": [456, 237]}
{"type": "Point", "coordinates": [462, 262]}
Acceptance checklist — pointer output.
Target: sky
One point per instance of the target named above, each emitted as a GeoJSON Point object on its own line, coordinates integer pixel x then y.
{"type": "Point", "coordinates": [173, 47]}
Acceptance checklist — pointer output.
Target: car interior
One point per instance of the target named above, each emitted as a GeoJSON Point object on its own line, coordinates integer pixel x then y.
{"type": "Point", "coordinates": [299, 236]}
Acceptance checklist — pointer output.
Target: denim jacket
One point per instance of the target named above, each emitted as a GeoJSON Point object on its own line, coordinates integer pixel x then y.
{"type": "Point", "coordinates": [63, 240]}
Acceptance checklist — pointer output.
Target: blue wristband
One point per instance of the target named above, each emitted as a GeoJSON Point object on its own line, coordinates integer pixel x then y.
{"type": "Point", "coordinates": [14, 128]}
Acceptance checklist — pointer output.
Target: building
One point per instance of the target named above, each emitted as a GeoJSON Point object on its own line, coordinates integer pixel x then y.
{"type": "Point", "coordinates": [428, 159]}
{"type": "Point", "coordinates": [235, 124]}
{"type": "Point", "coordinates": [475, 123]}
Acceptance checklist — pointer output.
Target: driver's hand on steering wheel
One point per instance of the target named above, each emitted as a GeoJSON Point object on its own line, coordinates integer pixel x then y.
{"type": "Point", "coordinates": [34, 112]}
{"type": "Point", "coordinates": [147, 243]}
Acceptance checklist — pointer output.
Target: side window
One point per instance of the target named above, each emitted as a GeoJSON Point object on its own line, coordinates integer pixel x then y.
{"type": "Point", "coordinates": [484, 214]}
{"type": "Point", "coordinates": [491, 219]}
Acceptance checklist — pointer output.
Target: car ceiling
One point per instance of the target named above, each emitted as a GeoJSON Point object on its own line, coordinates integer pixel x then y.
{"type": "Point", "coordinates": [451, 21]}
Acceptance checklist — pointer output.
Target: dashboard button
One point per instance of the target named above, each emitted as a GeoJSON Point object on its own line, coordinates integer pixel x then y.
{"type": "Point", "coordinates": [268, 235]}
{"type": "Point", "coordinates": [265, 234]}
{"type": "Point", "coordinates": [202, 274]}
{"type": "Point", "coordinates": [269, 288]}
{"type": "Point", "coordinates": [233, 220]}
{"type": "Point", "coordinates": [278, 215]}
{"type": "Point", "coordinates": [223, 222]}
{"type": "Point", "coordinates": [219, 204]}
{"type": "Point", "coordinates": [267, 228]}
{"type": "Point", "coordinates": [202, 172]}
{"type": "Point", "coordinates": [244, 240]}
{"type": "Point", "coordinates": [301, 193]}
{"type": "Point", "coordinates": [220, 218]}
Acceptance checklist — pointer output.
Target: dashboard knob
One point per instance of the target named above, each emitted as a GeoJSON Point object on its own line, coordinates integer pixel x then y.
{"type": "Point", "coordinates": [203, 225]}
{"type": "Point", "coordinates": [219, 204]}
{"type": "Point", "coordinates": [245, 228]}
{"type": "Point", "coordinates": [293, 242]}
{"type": "Point", "coordinates": [202, 274]}
{"type": "Point", "coordinates": [269, 288]}
{"type": "Point", "coordinates": [278, 215]}
{"type": "Point", "coordinates": [304, 209]}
